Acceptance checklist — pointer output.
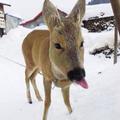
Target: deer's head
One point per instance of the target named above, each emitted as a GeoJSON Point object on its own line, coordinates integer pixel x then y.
{"type": "Point", "coordinates": [66, 50]}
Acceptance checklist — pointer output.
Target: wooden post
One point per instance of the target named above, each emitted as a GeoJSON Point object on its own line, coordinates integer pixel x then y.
{"type": "Point", "coordinates": [115, 44]}
{"type": "Point", "coordinates": [116, 10]}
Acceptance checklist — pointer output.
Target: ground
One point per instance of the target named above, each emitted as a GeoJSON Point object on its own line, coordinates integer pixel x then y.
{"type": "Point", "coordinates": [99, 102]}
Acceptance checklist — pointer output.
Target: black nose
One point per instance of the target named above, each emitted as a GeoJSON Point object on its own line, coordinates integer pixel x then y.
{"type": "Point", "coordinates": [76, 74]}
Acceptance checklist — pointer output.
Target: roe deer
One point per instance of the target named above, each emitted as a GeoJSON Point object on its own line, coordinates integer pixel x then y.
{"type": "Point", "coordinates": [58, 53]}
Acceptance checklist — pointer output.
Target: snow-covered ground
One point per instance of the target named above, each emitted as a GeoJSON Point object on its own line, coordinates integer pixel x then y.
{"type": "Point", "coordinates": [99, 102]}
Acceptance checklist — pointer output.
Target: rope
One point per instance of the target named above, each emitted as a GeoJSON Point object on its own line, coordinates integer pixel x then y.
{"type": "Point", "coordinates": [8, 59]}
{"type": "Point", "coordinates": [13, 61]}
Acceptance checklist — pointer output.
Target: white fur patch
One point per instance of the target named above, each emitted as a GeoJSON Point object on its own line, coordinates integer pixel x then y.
{"type": "Point", "coordinates": [58, 73]}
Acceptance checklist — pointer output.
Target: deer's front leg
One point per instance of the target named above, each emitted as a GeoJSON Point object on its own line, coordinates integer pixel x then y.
{"type": "Point", "coordinates": [47, 88]}
{"type": "Point", "coordinates": [65, 93]}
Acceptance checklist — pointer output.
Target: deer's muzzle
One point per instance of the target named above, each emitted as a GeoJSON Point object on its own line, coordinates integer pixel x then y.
{"type": "Point", "coordinates": [76, 74]}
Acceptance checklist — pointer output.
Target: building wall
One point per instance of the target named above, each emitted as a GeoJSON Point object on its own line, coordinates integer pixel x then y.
{"type": "Point", "coordinates": [11, 22]}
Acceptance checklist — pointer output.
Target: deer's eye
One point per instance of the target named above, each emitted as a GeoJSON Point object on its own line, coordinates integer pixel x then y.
{"type": "Point", "coordinates": [82, 44]}
{"type": "Point", "coordinates": [57, 46]}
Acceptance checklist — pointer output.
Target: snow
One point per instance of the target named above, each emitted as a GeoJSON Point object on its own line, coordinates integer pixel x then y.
{"type": "Point", "coordinates": [99, 102]}
{"type": "Point", "coordinates": [21, 11]}
{"type": "Point", "coordinates": [102, 39]}
{"type": "Point", "coordinates": [98, 11]}
{"type": "Point", "coordinates": [91, 10]}
{"type": "Point", "coordinates": [5, 1]}
{"type": "Point", "coordinates": [27, 8]}
{"type": "Point", "coordinates": [35, 6]}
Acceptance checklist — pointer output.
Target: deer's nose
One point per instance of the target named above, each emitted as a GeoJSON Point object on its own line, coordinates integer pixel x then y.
{"type": "Point", "coordinates": [76, 74]}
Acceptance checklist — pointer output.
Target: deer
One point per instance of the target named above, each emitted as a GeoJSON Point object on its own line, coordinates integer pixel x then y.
{"type": "Point", "coordinates": [57, 52]}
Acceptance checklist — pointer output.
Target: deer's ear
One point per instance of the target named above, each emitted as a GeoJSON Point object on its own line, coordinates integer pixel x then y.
{"type": "Point", "coordinates": [77, 12]}
{"type": "Point", "coordinates": [51, 15]}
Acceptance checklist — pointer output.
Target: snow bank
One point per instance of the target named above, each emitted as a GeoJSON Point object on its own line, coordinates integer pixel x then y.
{"type": "Point", "coordinates": [91, 10]}
{"type": "Point", "coordinates": [15, 40]}
{"type": "Point", "coordinates": [16, 37]}
{"type": "Point", "coordinates": [98, 40]}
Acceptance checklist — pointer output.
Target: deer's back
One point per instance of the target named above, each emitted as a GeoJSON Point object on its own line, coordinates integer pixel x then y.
{"type": "Point", "coordinates": [35, 47]}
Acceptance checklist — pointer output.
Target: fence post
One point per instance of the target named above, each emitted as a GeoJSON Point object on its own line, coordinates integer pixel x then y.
{"type": "Point", "coordinates": [115, 43]}
{"type": "Point", "coordinates": [116, 10]}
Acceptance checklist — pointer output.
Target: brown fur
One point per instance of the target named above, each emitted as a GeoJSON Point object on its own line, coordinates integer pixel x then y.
{"type": "Point", "coordinates": [40, 53]}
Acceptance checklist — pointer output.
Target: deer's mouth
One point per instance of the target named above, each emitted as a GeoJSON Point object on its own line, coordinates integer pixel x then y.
{"type": "Point", "coordinates": [83, 83]}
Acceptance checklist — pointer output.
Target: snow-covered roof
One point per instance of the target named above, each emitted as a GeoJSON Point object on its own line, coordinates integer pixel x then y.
{"type": "Point", "coordinates": [99, 10]}
{"type": "Point", "coordinates": [10, 10]}
{"type": "Point", "coordinates": [65, 6]}
{"type": "Point", "coordinates": [5, 2]}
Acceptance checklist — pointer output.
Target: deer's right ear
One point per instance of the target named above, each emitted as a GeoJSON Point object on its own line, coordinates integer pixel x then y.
{"type": "Point", "coordinates": [51, 15]}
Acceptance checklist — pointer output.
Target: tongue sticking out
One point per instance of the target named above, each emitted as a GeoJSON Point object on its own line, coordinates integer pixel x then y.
{"type": "Point", "coordinates": [82, 83]}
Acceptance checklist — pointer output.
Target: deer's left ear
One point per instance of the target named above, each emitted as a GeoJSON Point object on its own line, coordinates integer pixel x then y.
{"type": "Point", "coordinates": [51, 15]}
{"type": "Point", "coordinates": [78, 12]}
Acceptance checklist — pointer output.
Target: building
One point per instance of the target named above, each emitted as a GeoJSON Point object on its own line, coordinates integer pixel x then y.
{"type": "Point", "coordinates": [2, 17]}
{"type": "Point", "coordinates": [12, 21]}
{"type": "Point", "coordinates": [38, 20]}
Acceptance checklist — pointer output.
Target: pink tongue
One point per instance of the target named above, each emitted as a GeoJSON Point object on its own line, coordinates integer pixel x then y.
{"type": "Point", "coordinates": [82, 83]}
